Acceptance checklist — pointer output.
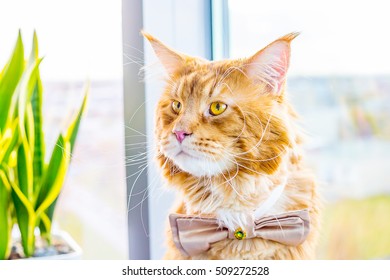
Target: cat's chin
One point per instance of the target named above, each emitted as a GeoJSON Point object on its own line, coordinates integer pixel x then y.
{"type": "Point", "coordinates": [201, 167]}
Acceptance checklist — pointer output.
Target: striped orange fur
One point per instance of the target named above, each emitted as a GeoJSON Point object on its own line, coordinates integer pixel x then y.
{"type": "Point", "coordinates": [228, 164]}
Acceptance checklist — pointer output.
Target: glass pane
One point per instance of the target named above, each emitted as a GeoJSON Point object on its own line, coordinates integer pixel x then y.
{"type": "Point", "coordinates": [339, 82]}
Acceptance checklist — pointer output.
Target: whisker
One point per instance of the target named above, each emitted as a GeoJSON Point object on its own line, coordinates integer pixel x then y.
{"type": "Point", "coordinates": [132, 129]}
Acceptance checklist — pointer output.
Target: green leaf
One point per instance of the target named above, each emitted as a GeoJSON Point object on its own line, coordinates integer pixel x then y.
{"type": "Point", "coordinates": [5, 216]}
{"type": "Point", "coordinates": [45, 225]}
{"type": "Point", "coordinates": [39, 140]}
{"type": "Point", "coordinates": [25, 170]}
{"type": "Point", "coordinates": [26, 221]}
{"type": "Point", "coordinates": [54, 175]}
{"type": "Point", "coordinates": [9, 79]}
{"type": "Point", "coordinates": [25, 91]}
{"type": "Point", "coordinates": [30, 127]}
{"type": "Point", "coordinates": [10, 145]}
{"type": "Point", "coordinates": [5, 141]}
{"type": "Point", "coordinates": [71, 132]}
{"type": "Point", "coordinates": [25, 215]}
{"type": "Point", "coordinates": [34, 49]}
{"type": "Point", "coordinates": [35, 135]}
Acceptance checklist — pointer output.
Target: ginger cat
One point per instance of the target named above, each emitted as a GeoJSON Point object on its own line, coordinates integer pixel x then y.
{"type": "Point", "coordinates": [226, 137]}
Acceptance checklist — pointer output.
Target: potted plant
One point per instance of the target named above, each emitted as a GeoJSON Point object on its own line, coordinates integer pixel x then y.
{"type": "Point", "coordinates": [29, 186]}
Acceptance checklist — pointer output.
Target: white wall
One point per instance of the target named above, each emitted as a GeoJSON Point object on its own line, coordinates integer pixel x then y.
{"type": "Point", "coordinates": [79, 38]}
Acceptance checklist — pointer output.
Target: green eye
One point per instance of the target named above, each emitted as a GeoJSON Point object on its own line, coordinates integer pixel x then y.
{"type": "Point", "coordinates": [217, 108]}
{"type": "Point", "coordinates": [176, 106]}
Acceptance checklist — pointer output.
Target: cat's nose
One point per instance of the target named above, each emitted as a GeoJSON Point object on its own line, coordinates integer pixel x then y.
{"type": "Point", "coordinates": [181, 134]}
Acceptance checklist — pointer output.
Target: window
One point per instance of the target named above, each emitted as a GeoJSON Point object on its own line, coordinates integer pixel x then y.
{"type": "Point", "coordinates": [339, 83]}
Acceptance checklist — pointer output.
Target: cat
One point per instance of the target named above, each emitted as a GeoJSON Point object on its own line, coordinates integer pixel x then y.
{"type": "Point", "coordinates": [226, 139]}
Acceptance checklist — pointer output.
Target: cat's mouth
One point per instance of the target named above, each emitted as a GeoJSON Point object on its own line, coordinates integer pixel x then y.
{"type": "Point", "coordinates": [184, 153]}
{"type": "Point", "coordinates": [196, 162]}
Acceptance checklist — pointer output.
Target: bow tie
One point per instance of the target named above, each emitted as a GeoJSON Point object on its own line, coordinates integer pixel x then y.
{"type": "Point", "coordinates": [194, 235]}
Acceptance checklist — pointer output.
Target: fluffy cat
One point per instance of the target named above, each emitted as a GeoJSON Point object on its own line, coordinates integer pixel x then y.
{"type": "Point", "coordinates": [226, 137]}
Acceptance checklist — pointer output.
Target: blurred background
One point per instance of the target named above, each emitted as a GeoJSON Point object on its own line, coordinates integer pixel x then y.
{"type": "Point", "coordinates": [114, 203]}
{"type": "Point", "coordinates": [81, 41]}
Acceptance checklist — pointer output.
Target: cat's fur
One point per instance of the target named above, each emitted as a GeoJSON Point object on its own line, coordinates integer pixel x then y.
{"type": "Point", "coordinates": [230, 163]}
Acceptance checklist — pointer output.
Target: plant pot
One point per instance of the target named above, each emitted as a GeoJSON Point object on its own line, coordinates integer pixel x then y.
{"type": "Point", "coordinates": [64, 248]}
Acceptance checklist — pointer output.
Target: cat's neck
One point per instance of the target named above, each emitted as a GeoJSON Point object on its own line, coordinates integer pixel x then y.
{"type": "Point", "coordinates": [243, 192]}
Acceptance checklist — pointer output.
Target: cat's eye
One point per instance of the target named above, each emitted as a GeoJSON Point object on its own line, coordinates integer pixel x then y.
{"type": "Point", "coordinates": [176, 106]}
{"type": "Point", "coordinates": [217, 108]}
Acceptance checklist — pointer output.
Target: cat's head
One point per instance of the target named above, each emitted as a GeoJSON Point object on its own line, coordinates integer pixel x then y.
{"type": "Point", "coordinates": [222, 117]}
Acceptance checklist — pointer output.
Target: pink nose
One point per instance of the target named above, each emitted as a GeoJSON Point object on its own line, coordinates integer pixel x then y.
{"type": "Point", "coordinates": [181, 134]}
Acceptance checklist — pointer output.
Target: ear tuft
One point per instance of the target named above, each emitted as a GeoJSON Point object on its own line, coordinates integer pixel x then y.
{"type": "Point", "coordinates": [170, 59]}
{"type": "Point", "coordinates": [147, 36]}
{"type": "Point", "coordinates": [270, 64]}
{"type": "Point", "coordinates": [290, 36]}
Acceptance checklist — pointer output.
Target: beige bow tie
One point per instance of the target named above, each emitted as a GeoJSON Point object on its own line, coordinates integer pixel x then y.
{"type": "Point", "coordinates": [194, 235]}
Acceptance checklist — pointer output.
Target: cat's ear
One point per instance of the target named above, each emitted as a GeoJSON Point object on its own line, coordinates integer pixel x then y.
{"type": "Point", "coordinates": [270, 64]}
{"type": "Point", "coordinates": [170, 59]}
